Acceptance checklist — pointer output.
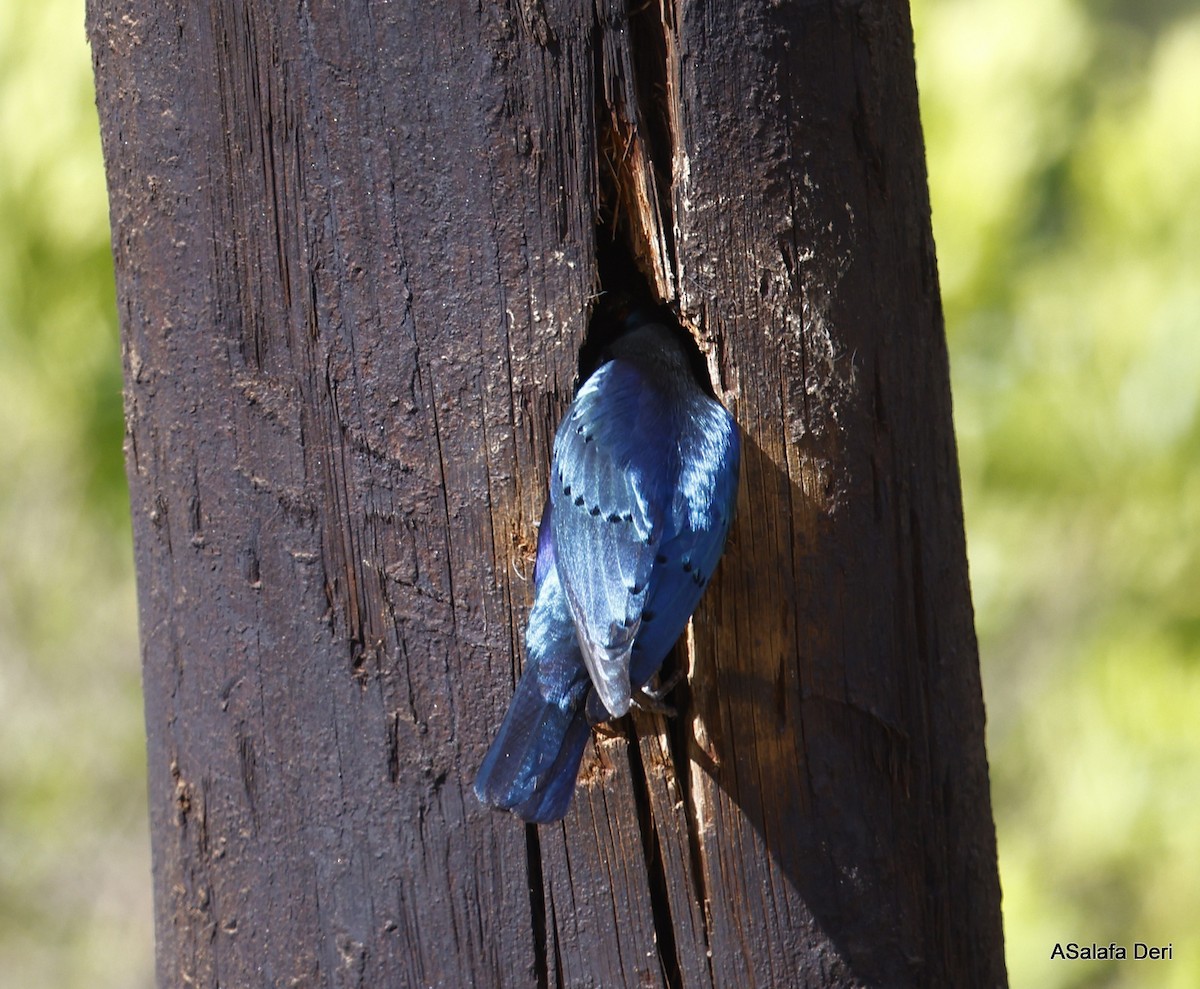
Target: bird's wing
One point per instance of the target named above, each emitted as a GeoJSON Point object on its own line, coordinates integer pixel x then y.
{"type": "Point", "coordinates": [615, 457]}
{"type": "Point", "coordinates": [703, 507]}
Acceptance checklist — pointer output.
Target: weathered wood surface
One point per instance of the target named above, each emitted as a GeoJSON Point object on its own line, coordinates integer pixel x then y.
{"type": "Point", "coordinates": [356, 247]}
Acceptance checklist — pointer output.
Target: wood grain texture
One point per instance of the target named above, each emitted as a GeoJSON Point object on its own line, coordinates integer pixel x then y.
{"type": "Point", "coordinates": [357, 246]}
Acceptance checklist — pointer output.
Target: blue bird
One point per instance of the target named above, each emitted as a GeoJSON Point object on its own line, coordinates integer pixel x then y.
{"type": "Point", "coordinates": [642, 491]}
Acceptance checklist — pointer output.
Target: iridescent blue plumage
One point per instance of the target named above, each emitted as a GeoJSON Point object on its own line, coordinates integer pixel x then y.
{"type": "Point", "coordinates": [642, 491]}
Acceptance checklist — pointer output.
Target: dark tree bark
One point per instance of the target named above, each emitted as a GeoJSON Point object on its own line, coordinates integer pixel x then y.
{"type": "Point", "coordinates": [357, 246]}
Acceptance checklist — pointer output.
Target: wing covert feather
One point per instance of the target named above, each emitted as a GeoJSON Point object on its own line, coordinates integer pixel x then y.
{"type": "Point", "coordinates": [611, 480]}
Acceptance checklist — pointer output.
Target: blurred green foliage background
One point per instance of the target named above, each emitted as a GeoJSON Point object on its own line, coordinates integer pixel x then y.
{"type": "Point", "coordinates": [74, 852]}
{"type": "Point", "coordinates": [1063, 140]}
{"type": "Point", "coordinates": [1064, 155]}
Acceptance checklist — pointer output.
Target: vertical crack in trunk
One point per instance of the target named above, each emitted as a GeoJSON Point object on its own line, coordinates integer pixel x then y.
{"type": "Point", "coordinates": [635, 141]}
{"type": "Point", "coordinates": [656, 875]}
{"type": "Point", "coordinates": [679, 742]}
{"type": "Point", "coordinates": [537, 905]}
{"type": "Point", "coordinates": [637, 125]}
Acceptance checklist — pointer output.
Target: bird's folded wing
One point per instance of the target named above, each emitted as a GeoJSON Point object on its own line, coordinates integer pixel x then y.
{"type": "Point", "coordinates": [694, 534]}
{"type": "Point", "coordinates": [614, 458]}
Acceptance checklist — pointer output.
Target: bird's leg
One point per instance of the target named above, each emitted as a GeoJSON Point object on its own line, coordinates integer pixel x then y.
{"type": "Point", "coordinates": [651, 698]}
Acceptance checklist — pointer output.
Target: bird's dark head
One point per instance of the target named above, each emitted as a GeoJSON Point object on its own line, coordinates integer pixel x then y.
{"type": "Point", "coordinates": [614, 314]}
{"type": "Point", "coordinates": [619, 311]}
{"type": "Point", "coordinates": [623, 324]}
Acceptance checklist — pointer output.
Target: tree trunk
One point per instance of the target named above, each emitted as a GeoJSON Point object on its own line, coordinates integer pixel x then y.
{"type": "Point", "coordinates": [357, 245]}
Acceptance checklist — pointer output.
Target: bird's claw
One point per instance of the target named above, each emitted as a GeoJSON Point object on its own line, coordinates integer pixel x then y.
{"type": "Point", "coordinates": [651, 698]}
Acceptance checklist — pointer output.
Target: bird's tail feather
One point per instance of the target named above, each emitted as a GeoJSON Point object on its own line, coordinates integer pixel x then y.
{"type": "Point", "coordinates": [533, 763]}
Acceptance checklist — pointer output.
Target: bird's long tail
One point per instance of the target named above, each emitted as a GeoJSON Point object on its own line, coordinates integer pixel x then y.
{"type": "Point", "coordinates": [532, 765]}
